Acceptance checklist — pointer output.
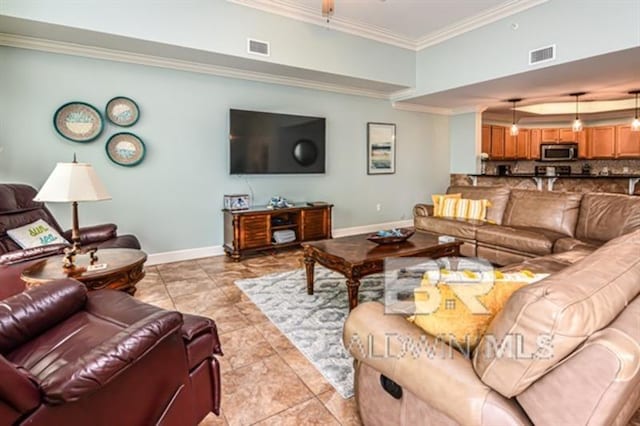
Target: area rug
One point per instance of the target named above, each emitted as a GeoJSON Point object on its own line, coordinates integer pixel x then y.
{"type": "Point", "coordinates": [313, 323]}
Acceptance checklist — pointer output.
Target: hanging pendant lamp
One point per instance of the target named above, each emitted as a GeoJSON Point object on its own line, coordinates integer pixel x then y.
{"type": "Point", "coordinates": [513, 131]}
{"type": "Point", "coordinates": [577, 123]}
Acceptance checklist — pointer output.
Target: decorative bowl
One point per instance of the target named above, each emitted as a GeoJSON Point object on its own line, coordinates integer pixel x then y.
{"type": "Point", "coordinates": [391, 236]}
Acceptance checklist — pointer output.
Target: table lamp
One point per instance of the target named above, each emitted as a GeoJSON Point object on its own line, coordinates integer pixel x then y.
{"type": "Point", "coordinates": [72, 183]}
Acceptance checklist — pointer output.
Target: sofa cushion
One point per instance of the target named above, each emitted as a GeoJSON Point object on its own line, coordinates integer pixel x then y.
{"type": "Point", "coordinates": [551, 318]}
{"type": "Point", "coordinates": [498, 196]}
{"type": "Point", "coordinates": [526, 240]}
{"type": "Point", "coordinates": [460, 228]}
{"type": "Point", "coordinates": [555, 211]}
{"type": "Point", "coordinates": [568, 243]}
{"type": "Point", "coordinates": [438, 202]}
{"type": "Point", "coordinates": [604, 217]}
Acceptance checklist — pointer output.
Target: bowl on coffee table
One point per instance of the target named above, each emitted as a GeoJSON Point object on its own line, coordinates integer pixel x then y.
{"type": "Point", "coordinates": [391, 236]}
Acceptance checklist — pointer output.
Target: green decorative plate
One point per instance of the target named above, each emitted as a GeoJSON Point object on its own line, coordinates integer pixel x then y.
{"type": "Point", "coordinates": [122, 111]}
{"type": "Point", "coordinates": [125, 149]}
{"type": "Point", "coordinates": [78, 122]}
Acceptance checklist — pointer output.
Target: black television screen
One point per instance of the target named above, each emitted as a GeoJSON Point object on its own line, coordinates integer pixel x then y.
{"type": "Point", "coordinates": [268, 143]}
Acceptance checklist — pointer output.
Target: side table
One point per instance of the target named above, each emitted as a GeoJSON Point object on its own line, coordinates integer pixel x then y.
{"type": "Point", "coordinates": [124, 268]}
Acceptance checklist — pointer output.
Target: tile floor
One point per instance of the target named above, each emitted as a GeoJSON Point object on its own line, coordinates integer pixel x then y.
{"type": "Point", "coordinates": [265, 379]}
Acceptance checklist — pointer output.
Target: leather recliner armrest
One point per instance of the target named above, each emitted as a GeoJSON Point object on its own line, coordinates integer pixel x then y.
{"type": "Point", "coordinates": [423, 210]}
{"type": "Point", "coordinates": [28, 314]}
{"type": "Point", "coordinates": [18, 256]}
{"type": "Point", "coordinates": [430, 369]}
{"type": "Point", "coordinates": [103, 363]}
{"type": "Point", "coordinates": [95, 234]}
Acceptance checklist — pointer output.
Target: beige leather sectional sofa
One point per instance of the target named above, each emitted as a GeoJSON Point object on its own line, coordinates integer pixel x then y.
{"type": "Point", "coordinates": [529, 224]}
{"type": "Point", "coordinates": [587, 372]}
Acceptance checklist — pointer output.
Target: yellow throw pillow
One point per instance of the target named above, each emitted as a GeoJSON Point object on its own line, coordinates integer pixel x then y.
{"type": "Point", "coordinates": [459, 306]}
{"type": "Point", "coordinates": [465, 209]}
{"type": "Point", "coordinates": [438, 200]}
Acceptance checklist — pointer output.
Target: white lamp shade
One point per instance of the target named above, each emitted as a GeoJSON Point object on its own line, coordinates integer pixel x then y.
{"type": "Point", "coordinates": [72, 182]}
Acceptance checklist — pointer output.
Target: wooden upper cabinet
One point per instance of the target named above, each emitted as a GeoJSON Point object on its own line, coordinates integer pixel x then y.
{"type": "Point", "coordinates": [601, 142]}
{"type": "Point", "coordinates": [583, 146]}
{"type": "Point", "coordinates": [550, 135]}
{"type": "Point", "coordinates": [486, 138]}
{"type": "Point", "coordinates": [497, 142]}
{"type": "Point", "coordinates": [627, 143]}
{"type": "Point", "coordinates": [535, 138]}
{"type": "Point", "coordinates": [510, 145]}
{"type": "Point", "coordinates": [568, 135]}
{"type": "Point", "coordinates": [517, 146]}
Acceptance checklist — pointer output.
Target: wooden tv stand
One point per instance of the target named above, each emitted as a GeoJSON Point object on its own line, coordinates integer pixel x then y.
{"type": "Point", "coordinates": [252, 229]}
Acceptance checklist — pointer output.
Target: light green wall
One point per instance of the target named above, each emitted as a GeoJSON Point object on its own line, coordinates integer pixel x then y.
{"type": "Point", "coordinates": [223, 27]}
{"type": "Point", "coordinates": [579, 28]}
{"type": "Point", "coordinates": [172, 200]}
{"type": "Point", "coordinates": [464, 133]}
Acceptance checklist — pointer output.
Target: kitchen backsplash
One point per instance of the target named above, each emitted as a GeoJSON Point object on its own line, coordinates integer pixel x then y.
{"type": "Point", "coordinates": [614, 167]}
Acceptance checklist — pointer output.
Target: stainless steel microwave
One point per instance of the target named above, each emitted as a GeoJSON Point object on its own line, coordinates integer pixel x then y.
{"type": "Point", "coordinates": [558, 152]}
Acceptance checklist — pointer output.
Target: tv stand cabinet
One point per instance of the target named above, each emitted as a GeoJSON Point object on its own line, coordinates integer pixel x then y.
{"type": "Point", "coordinates": [252, 229]}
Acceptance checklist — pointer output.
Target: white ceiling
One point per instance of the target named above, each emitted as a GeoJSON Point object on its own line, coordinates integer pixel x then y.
{"type": "Point", "coordinates": [412, 24]}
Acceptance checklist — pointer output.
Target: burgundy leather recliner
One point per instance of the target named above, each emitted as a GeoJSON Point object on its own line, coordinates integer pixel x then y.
{"type": "Point", "coordinates": [17, 208]}
{"type": "Point", "coordinates": [72, 357]}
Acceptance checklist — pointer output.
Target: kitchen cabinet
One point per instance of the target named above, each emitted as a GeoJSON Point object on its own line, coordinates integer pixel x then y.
{"type": "Point", "coordinates": [601, 142]}
{"type": "Point", "coordinates": [627, 143]}
{"type": "Point", "coordinates": [486, 138]}
{"type": "Point", "coordinates": [497, 143]}
{"type": "Point", "coordinates": [535, 138]}
{"type": "Point", "coordinates": [568, 135]}
{"type": "Point", "coordinates": [550, 135]}
{"type": "Point", "coordinates": [517, 147]}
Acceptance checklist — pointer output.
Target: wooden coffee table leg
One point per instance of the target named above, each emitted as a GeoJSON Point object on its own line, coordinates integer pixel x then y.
{"type": "Point", "coordinates": [352, 287]}
{"type": "Point", "coordinates": [309, 263]}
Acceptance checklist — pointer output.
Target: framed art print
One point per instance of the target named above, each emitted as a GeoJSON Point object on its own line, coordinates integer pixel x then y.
{"type": "Point", "coordinates": [237, 202]}
{"type": "Point", "coordinates": [381, 148]}
{"type": "Point", "coordinates": [125, 149]}
{"type": "Point", "coordinates": [122, 111]}
{"type": "Point", "coordinates": [78, 122]}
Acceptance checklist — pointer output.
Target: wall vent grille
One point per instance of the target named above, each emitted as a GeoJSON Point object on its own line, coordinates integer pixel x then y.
{"type": "Point", "coordinates": [543, 54]}
{"type": "Point", "coordinates": [257, 47]}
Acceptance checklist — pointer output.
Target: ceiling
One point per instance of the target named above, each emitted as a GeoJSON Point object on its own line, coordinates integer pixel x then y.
{"type": "Point", "coordinates": [412, 24]}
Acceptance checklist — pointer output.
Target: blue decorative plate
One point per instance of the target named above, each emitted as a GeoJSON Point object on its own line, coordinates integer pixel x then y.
{"type": "Point", "coordinates": [122, 111]}
{"type": "Point", "coordinates": [125, 149]}
{"type": "Point", "coordinates": [78, 122]}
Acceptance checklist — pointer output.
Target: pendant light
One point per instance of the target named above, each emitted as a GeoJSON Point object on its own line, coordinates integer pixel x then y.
{"type": "Point", "coordinates": [514, 127]}
{"type": "Point", "coordinates": [577, 123]}
{"type": "Point", "coordinates": [328, 8]}
{"type": "Point", "coordinates": [635, 124]}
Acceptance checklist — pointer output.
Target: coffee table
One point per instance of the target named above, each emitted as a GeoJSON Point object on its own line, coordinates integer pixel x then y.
{"type": "Point", "coordinates": [355, 256]}
{"type": "Point", "coordinates": [124, 268]}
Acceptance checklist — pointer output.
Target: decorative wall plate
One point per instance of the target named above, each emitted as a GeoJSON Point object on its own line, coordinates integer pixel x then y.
{"type": "Point", "coordinates": [78, 122]}
{"type": "Point", "coordinates": [125, 149]}
{"type": "Point", "coordinates": [122, 111]}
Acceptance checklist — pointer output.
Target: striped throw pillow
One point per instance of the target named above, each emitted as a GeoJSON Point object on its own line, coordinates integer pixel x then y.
{"type": "Point", "coordinates": [465, 209]}
{"type": "Point", "coordinates": [438, 202]}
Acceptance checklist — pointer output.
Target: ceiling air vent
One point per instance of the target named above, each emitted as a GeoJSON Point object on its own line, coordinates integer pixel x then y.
{"type": "Point", "coordinates": [258, 47]}
{"type": "Point", "coordinates": [544, 54]}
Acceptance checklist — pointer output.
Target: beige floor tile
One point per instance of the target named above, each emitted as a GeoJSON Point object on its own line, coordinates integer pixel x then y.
{"type": "Point", "coordinates": [189, 270]}
{"type": "Point", "coordinates": [274, 336]}
{"type": "Point", "coordinates": [150, 293]}
{"type": "Point", "coordinates": [229, 318]}
{"type": "Point", "coordinates": [230, 277]}
{"type": "Point", "coordinates": [162, 303]}
{"type": "Point", "coordinates": [189, 286]}
{"type": "Point", "coordinates": [245, 346]}
{"type": "Point", "coordinates": [252, 312]}
{"type": "Point", "coordinates": [306, 371]}
{"type": "Point", "coordinates": [260, 390]}
{"type": "Point", "coordinates": [310, 412]}
{"type": "Point", "coordinates": [213, 420]}
{"type": "Point", "coordinates": [234, 294]}
{"type": "Point", "coordinates": [203, 303]}
{"type": "Point", "coordinates": [345, 410]}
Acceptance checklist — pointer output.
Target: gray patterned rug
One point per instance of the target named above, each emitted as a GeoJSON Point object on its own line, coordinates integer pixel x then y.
{"type": "Point", "coordinates": [313, 323]}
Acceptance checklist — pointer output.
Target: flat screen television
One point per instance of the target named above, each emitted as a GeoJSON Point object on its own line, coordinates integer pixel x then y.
{"type": "Point", "coordinates": [268, 143]}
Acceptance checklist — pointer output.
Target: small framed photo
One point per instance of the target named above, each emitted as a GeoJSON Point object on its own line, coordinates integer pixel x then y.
{"type": "Point", "coordinates": [237, 202]}
{"type": "Point", "coordinates": [381, 148]}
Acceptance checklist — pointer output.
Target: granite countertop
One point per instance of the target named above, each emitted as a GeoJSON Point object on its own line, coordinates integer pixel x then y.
{"type": "Point", "coordinates": [573, 176]}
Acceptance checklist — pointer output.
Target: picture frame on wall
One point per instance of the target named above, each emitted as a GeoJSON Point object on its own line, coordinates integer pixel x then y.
{"type": "Point", "coordinates": [381, 148]}
{"type": "Point", "coordinates": [237, 202]}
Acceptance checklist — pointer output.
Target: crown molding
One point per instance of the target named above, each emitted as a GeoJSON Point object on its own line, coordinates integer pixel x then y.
{"type": "Point", "coordinates": [294, 10]}
{"type": "Point", "coordinates": [73, 49]}
{"type": "Point", "coordinates": [407, 106]}
{"type": "Point", "coordinates": [485, 18]}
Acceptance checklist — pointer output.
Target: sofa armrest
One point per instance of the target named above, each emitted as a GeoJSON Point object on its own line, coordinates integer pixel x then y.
{"type": "Point", "coordinates": [17, 256]}
{"type": "Point", "coordinates": [423, 210]}
{"type": "Point", "coordinates": [107, 361]}
{"type": "Point", "coordinates": [427, 367]}
{"type": "Point", "coordinates": [28, 314]}
{"type": "Point", "coordinates": [195, 326]}
{"type": "Point", "coordinates": [95, 234]}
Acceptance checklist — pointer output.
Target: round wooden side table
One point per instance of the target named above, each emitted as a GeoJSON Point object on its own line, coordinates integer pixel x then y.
{"type": "Point", "coordinates": [117, 268]}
